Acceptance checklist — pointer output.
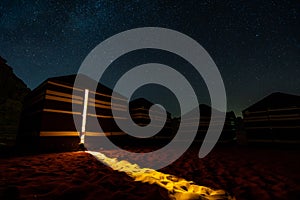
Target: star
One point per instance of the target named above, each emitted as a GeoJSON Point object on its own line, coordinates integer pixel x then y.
{"type": "Point", "coordinates": [253, 46]}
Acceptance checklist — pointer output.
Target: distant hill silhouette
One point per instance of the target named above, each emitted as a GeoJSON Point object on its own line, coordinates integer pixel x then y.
{"type": "Point", "coordinates": [12, 87]}
{"type": "Point", "coordinates": [12, 93]}
{"type": "Point", "coordinates": [229, 128]}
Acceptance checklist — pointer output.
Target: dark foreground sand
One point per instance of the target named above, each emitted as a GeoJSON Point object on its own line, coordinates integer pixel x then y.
{"type": "Point", "coordinates": [246, 173]}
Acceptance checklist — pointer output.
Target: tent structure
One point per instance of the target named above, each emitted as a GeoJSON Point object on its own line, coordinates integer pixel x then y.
{"type": "Point", "coordinates": [48, 118]}
{"type": "Point", "coordinates": [275, 118]}
{"type": "Point", "coordinates": [139, 111]}
{"type": "Point", "coordinates": [49, 112]}
{"type": "Point", "coordinates": [229, 129]}
{"type": "Point", "coordinates": [48, 115]}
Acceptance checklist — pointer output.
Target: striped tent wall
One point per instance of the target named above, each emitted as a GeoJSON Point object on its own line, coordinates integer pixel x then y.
{"type": "Point", "coordinates": [139, 111]}
{"type": "Point", "coordinates": [275, 118]}
{"type": "Point", "coordinates": [49, 113]}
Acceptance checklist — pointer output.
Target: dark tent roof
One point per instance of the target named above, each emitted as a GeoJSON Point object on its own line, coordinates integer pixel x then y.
{"type": "Point", "coordinates": [141, 102]}
{"type": "Point", "coordinates": [87, 81]}
{"type": "Point", "coordinates": [275, 100]}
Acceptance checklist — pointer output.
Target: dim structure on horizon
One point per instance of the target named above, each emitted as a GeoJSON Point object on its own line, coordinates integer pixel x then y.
{"type": "Point", "coordinates": [47, 118]}
{"type": "Point", "coordinates": [275, 119]}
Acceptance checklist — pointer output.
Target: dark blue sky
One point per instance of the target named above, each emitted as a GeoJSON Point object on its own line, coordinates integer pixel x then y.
{"type": "Point", "coordinates": [255, 44]}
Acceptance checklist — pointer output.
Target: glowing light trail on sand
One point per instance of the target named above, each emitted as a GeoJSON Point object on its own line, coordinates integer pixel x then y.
{"type": "Point", "coordinates": [178, 188]}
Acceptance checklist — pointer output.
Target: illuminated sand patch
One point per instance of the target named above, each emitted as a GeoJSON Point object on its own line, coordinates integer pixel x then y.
{"type": "Point", "coordinates": [178, 188]}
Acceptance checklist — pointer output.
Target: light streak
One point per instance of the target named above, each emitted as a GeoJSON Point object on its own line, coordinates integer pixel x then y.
{"type": "Point", "coordinates": [178, 188]}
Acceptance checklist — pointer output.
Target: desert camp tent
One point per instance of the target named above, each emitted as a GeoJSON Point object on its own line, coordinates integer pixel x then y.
{"type": "Point", "coordinates": [275, 118]}
{"type": "Point", "coordinates": [229, 128]}
{"type": "Point", "coordinates": [139, 111]}
{"type": "Point", "coordinates": [48, 114]}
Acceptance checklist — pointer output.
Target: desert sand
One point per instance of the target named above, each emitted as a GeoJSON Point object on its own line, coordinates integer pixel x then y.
{"type": "Point", "coordinates": [245, 173]}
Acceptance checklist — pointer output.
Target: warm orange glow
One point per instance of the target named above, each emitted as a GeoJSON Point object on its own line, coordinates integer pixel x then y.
{"type": "Point", "coordinates": [178, 188]}
{"type": "Point", "coordinates": [61, 111]}
{"type": "Point", "coordinates": [65, 86]}
{"type": "Point", "coordinates": [58, 133]}
{"type": "Point", "coordinates": [68, 100]}
{"type": "Point", "coordinates": [106, 95]}
{"type": "Point", "coordinates": [105, 116]}
{"type": "Point", "coordinates": [105, 107]}
{"type": "Point", "coordinates": [104, 134]}
{"type": "Point", "coordinates": [61, 94]}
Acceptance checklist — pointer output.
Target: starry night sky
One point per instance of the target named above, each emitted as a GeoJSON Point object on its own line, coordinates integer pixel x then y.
{"type": "Point", "coordinates": [255, 44]}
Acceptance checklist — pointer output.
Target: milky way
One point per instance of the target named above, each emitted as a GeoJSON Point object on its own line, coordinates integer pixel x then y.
{"type": "Point", "coordinates": [254, 43]}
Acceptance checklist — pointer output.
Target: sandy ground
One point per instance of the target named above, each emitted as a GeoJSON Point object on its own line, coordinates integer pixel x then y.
{"type": "Point", "coordinates": [246, 173]}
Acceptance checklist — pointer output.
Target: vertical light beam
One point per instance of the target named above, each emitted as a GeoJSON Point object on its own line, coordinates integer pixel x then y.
{"type": "Point", "coordinates": [84, 112]}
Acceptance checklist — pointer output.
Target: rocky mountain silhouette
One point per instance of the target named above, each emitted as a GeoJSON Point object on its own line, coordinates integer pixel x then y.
{"type": "Point", "coordinates": [12, 93]}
